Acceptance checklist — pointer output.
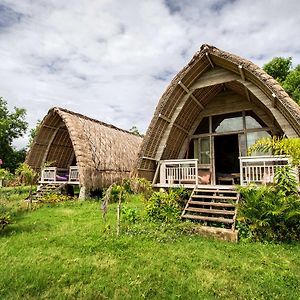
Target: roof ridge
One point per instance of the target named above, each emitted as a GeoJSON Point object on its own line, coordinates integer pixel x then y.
{"type": "Point", "coordinates": [57, 108]}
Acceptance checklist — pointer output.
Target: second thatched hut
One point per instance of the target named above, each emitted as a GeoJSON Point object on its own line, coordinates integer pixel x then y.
{"type": "Point", "coordinates": [81, 150]}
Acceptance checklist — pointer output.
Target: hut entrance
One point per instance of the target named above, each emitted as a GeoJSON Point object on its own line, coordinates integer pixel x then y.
{"type": "Point", "coordinates": [227, 168]}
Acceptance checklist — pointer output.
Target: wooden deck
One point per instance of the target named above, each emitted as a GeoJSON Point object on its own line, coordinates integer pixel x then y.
{"type": "Point", "coordinates": [193, 186]}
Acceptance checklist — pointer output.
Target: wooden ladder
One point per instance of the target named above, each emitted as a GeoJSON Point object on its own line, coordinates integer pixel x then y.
{"type": "Point", "coordinates": [213, 207]}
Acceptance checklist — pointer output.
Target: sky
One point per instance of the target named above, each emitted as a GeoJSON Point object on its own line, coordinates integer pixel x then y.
{"type": "Point", "coordinates": [113, 59]}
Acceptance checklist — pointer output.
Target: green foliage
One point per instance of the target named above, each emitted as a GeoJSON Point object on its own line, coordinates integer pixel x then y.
{"type": "Point", "coordinates": [279, 146]}
{"type": "Point", "coordinates": [130, 214]}
{"type": "Point", "coordinates": [134, 130]}
{"type": "Point", "coordinates": [267, 214]}
{"type": "Point", "coordinates": [166, 206]}
{"type": "Point", "coordinates": [279, 68]}
{"type": "Point", "coordinates": [286, 183]}
{"type": "Point", "coordinates": [5, 174]}
{"type": "Point", "coordinates": [64, 252]}
{"type": "Point", "coordinates": [12, 126]}
{"type": "Point", "coordinates": [55, 198]}
{"type": "Point", "coordinates": [292, 84]}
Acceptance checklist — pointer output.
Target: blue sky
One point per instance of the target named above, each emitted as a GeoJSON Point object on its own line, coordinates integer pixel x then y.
{"type": "Point", "coordinates": [112, 59]}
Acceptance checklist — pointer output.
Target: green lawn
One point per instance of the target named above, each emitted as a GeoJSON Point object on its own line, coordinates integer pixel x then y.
{"type": "Point", "coordinates": [67, 252]}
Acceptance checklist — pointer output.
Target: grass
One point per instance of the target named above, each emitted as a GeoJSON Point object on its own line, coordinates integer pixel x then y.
{"type": "Point", "coordinates": [66, 251]}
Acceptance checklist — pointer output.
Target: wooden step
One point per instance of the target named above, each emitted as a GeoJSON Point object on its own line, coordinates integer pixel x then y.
{"type": "Point", "coordinates": [215, 191]}
{"type": "Point", "coordinates": [214, 197]}
{"type": "Point", "coordinates": [211, 211]}
{"type": "Point", "coordinates": [208, 219]}
{"type": "Point", "coordinates": [211, 203]}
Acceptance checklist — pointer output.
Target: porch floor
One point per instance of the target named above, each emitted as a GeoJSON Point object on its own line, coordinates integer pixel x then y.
{"type": "Point", "coordinates": [58, 182]}
{"type": "Point", "coordinates": [199, 186]}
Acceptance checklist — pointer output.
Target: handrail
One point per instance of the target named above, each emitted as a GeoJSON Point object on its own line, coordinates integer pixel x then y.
{"type": "Point", "coordinates": [261, 169]}
{"type": "Point", "coordinates": [180, 171]}
{"type": "Point", "coordinates": [55, 174]}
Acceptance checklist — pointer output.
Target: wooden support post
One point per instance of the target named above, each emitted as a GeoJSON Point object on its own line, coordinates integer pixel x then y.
{"type": "Point", "coordinates": [83, 194]}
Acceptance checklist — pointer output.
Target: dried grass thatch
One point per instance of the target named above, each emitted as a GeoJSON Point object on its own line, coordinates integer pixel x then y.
{"type": "Point", "coordinates": [103, 153]}
{"type": "Point", "coordinates": [182, 103]}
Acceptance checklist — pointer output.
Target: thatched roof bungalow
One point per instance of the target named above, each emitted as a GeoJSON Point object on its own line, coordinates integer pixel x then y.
{"type": "Point", "coordinates": [214, 109]}
{"type": "Point", "coordinates": [100, 153]}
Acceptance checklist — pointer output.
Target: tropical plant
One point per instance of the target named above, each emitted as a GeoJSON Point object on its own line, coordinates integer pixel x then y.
{"type": "Point", "coordinates": [4, 174]}
{"type": "Point", "coordinates": [279, 146]}
{"type": "Point", "coordinates": [28, 176]}
{"type": "Point", "coordinates": [286, 182]}
{"type": "Point", "coordinates": [266, 214]}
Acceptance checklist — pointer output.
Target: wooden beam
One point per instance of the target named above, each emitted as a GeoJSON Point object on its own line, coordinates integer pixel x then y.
{"type": "Point", "coordinates": [244, 79]}
{"type": "Point", "coordinates": [214, 77]}
{"type": "Point", "coordinates": [164, 118]}
{"type": "Point", "coordinates": [181, 128]}
{"type": "Point", "coordinates": [149, 158]}
{"type": "Point", "coordinates": [190, 93]}
{"type": "Point", "coordinates": [209, 59]}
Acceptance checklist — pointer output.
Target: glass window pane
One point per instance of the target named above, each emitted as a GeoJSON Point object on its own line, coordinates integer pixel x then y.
{"type": "Point", "coordinates": [228, 122]}
{"type": "Point", "coordinates": [253, 121]}
{"type": "Point", "coordinates": [252, 137]}
{"type": "Point", "coordinates": [205, 150]}
{"type": "Point", "coordinates": [203, 126]}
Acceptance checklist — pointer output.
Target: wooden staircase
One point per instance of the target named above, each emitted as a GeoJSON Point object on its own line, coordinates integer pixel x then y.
{"type": "Point", "coordinates": [213, 207]}
{"type": "Point", "coordinates": [46, 188]}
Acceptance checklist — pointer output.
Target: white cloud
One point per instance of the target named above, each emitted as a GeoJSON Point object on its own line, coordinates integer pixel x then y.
{"type": "Point", "coordinates": [112, 59]}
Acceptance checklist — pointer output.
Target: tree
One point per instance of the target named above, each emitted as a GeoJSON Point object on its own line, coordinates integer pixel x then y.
{"type": "Point", "coordinates": [281, 69]}
{"type": "Point", "coordinates": [12, 126]}
{"type": "Point", "coordinates": [292, 84]}
{"type": "Point", "coordinates": [134, 130]}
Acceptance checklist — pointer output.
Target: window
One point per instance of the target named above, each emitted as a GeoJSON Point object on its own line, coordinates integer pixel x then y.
{"type": "Point", "coordinates": [252, 121]}
{"type": "Point", "coordinates": [227, 122]}
{"type": "Point", "coordinates": [203, 126]}
{"type": "Point", "coordinates": [253, 137]}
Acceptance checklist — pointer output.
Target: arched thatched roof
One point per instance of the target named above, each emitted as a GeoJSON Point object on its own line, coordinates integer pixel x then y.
{"type": "Point", "coordinates": [209, 72]}
{"type": "Point", "coordinates": [103, 152]}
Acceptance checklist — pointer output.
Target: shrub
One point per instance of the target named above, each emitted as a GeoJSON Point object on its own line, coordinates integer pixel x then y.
{"type": "Point", "coordinates": [130, 215]}
{"type": "Point", "coordinates": [55, 198]}
{"type": "Point", "coordinates": [269, 214]}
{"type": "Point", "coordinates": [166, 206]}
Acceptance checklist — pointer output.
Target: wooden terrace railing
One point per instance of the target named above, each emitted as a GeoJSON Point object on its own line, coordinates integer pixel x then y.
{"type": "Point", "coordinates": [177, 172]}
{"type": "Point", "coordinates": [261, 169]}
{"type": "Point", "coordinates": [54, 174]}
